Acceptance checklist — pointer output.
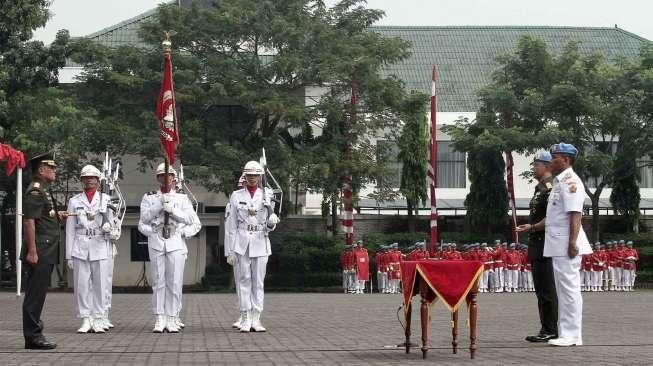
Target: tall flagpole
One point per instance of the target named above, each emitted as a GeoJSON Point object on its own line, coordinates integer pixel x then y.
{"type": "Point", "coordinates": [511, 195]}
{"type": "Point", "coordinates": [433, 167]}
{"type": "Point", "coordinates": [19, 228]}
{"type": "Point", "coordinates": [347, 189]}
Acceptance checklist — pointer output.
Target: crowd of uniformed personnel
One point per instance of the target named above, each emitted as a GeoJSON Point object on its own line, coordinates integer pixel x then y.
{"type": "Point", "coordinates": [611, 267]}
{"type": "Point", "coordinates": [506, 267]}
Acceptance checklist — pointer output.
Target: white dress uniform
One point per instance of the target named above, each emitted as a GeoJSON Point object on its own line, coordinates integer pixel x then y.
{"type": "Point", "coordinates": [167, 256]}
{"type": "Point", "coordinates": [248, 230]}
{"type": "Point", "coordinates": [228, 251]}
{"type": "Point", "coordinates": [89, 246]}
{"type": "Point", "coordinates": [567, 195]}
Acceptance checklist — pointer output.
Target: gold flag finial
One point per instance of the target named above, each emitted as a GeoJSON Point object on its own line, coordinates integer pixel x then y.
{"type": "Point", "coordinates": [166, 41]}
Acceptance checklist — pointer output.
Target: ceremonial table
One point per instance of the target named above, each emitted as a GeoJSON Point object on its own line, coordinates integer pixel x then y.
{"type": "Point", "coordinates": [450, 281]}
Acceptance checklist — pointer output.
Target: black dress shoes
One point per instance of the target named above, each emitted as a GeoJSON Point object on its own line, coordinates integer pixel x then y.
{"type": "Point", "coordinates": [39, 342]}
{"type": "Point", "coordinates": [540, 338]}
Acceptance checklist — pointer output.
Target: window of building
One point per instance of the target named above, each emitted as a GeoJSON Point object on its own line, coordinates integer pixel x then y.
{"type": "Point", "coordinates": [646, 173]}
{"type": "Point", "coordinates": [452, 166]}
{"type": "Point", "coordinates": [139, 252]}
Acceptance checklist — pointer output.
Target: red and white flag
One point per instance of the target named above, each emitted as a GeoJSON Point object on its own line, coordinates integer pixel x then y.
{"type": "Point", "coordinates": [165, 112]}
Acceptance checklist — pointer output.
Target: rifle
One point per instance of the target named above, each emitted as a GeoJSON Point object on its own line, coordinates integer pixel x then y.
{"type": "Point", "coordinates": [182, 187]}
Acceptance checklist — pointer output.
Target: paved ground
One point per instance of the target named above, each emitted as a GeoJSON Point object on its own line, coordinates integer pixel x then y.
{"type": "Point", "coordinates": [326, 329]}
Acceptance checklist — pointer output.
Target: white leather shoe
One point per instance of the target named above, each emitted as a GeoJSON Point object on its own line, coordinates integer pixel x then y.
{"type": "Point", "coordinates": [246, 324]}
{"type": "Point", "coordinates": [86, 326]}
{"type": "Point", "coordinates": [97, 326]}
{"type": "Point", "coordinates": [159, 324]}
{"type": "Point", "coordinates": [179, 323]}
{"type": "Point", "coordinates": [236, 325]}
{"type": "Point", "coordinates": [565, 342]}
{"type": "Point", "coordinates": [107, 321]}
{"type": "Point", "coordinates": [256, 322]}
{"type": "Point", "coordinates": [171, 325]}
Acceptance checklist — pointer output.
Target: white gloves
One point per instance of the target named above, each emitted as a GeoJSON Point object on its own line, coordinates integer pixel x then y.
{"type": "Point", "coordinates": [231, 259]}
{"type": "Point", "coordinates": [168, 204]}
{"type": "Point", "coordinates": [273, 219]}
{"type": "Point", "coordinates": [106, 228]}
{"type": "Point", "coordinates": [70, 263]}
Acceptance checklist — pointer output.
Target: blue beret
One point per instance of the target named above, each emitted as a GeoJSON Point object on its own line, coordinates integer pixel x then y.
{"type": "Point", "coordinates": [542, 156]}
{"type": "Point", "coordinates": [563, 148]}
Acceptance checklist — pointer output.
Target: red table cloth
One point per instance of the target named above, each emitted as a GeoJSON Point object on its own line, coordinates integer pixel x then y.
{"type": "Point", "coordinates": [449, 281]}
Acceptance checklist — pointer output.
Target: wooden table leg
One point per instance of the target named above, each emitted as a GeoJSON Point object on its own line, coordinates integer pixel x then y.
{"type": "Point", "coordinates": [424, 316]}
{"type": "Point", "coordinates": [472, 323]}
{"type": "Point", "coordinates": [454, 331]}
{"type": "Point", "coordinates": [409, 312]}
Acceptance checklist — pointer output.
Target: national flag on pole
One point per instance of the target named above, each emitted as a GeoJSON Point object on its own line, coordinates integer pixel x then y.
{"type": "Point", "coordinates": [511, 194]}
{"type": "Point", "coordinates": [165, 112]}
{"type": "Point", "coordinates": [433, 166]}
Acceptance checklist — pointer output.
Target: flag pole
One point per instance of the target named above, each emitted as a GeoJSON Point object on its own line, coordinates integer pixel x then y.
{"type": "Point", "coordinates": [433, 166]}
{"type": "Point", "coordinates": [347, 189]}
{"type": "Point", "coordinates": [166, 185]}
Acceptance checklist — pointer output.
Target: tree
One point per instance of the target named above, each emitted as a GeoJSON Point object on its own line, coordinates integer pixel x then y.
{"type": "Point", "coordinates": [413, 154]}
{"type": "Point", "coordinates": [537, 98]}
{"type": "Point", "coordinates": [241, 69]}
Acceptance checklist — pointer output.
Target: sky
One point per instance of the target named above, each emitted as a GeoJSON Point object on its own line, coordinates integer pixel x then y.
{"type": "Point", "coordinates": [85, 17]}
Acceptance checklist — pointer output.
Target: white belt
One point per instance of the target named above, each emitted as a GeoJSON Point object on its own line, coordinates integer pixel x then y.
{"type": "Point", "coordinates": [252, 227]}
{"type": "Point", "coordinates": [89, 232]}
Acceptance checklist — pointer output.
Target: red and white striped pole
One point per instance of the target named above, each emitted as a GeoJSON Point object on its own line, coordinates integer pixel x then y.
{"type": "Point", "coordinates": [347, 190]}
{"type": "Point", "coordinates": [433, 167]}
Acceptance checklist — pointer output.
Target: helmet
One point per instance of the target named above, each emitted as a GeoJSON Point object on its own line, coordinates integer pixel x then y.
{"type": "Point", "coordinates": [253, 167]}
{"type": "Point", "coordinates": [90, 171]}
{"type": "Point", "coordinates": [161, 169]}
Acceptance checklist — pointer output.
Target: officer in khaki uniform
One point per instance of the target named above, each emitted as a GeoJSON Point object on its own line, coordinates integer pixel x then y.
{"type": "Point", "coordinates": [565, 242]}
{"type": "Point", "coordinates": [542, 267]}
{"type": "Point", "coordinates": [40, 250]}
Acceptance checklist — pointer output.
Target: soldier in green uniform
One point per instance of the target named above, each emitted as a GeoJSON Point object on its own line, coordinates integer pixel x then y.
{"type": "Point", "coordinates": [542, 268]}
{"type": "Point", "coordinates": [41, 225]}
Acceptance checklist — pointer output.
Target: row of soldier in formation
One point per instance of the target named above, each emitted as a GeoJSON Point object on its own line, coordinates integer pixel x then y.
{"type": "Point", "coordinates": [611, 267]}
{"type": "Point", "coordinates": [506, 267]}
{"type": "Point", "coordinates": [167, 218]}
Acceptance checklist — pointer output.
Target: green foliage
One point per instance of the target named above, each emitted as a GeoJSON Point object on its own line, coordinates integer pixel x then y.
{"type": "Point", "coordinates": [536, 99]}
{"type": "Point", "coordinates": [487, 201]}
{"type": "Point", "coordinates": [413, 151]}
{"type": "Point", "coordinates": [251, 74]}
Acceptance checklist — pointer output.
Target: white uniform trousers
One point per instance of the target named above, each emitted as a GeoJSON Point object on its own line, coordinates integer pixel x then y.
{"type": "Point", "coordinates": [528, 277]}
{"type": "Point", "coordinates": [167, 272]}
{"type": "Point", "coordinates": [566, 273]}
{"type": "Point", "coordinates": [619, 275]}
{"type": "Point", "coordinates": [89, 286]}
{"type": "Point", "coordinates": [513, 279]}
{"type": "Point", "coordinates": [251, 276]}
{"type": "Point", "coordinates": [629, 277]}
{"type": "Point", "coordinates": [610, 278]}
{"type": "Point", "coordinates": [108, 281]}
{"type": "Point", "coordinates": [597, 279]}
{"type": "Point", "coordinates": [484, 280]}
{"type": "Point", "coordinates": [236, 277]}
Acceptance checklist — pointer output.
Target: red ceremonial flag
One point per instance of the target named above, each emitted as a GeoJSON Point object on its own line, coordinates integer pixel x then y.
{"type": "Point", "coordinates": [433, 167]}
{"type": "Point", "coordinates": [165, 112]}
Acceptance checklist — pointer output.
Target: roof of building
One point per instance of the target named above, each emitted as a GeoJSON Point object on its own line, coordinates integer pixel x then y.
{"type": "Point", "coordinates": [464, 55]}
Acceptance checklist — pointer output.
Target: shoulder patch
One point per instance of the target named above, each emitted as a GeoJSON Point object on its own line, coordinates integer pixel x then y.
{"type": "Point", "coordinates": [36, 185]}
{"type": "Point", "coordinates": [548, 185]}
